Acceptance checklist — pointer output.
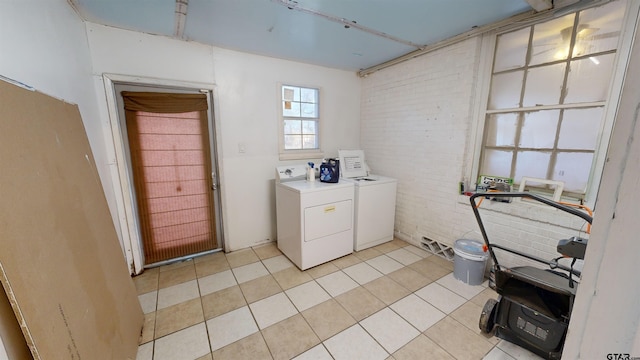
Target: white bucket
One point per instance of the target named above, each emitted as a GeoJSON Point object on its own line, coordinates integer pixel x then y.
{"type": "Point", "coordinates": [470, 261]}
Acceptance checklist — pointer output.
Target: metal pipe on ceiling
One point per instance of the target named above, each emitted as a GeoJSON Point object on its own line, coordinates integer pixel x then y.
{"type": "Point", "coordinates": [180, 18]}
{"type": "Point", "coordinates": [527, 16]}
{"type": "Point", "coordinates": [293, 5]}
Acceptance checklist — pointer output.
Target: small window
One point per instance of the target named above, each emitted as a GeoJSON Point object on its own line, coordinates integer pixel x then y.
{"type": "Point", "coordinates": [549, 89]}
{"type": "Point", "coordinates": [300, 122]}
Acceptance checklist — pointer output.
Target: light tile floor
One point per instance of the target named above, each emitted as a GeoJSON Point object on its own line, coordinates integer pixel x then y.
{"type": "Point", "coordinates": [393, 301]}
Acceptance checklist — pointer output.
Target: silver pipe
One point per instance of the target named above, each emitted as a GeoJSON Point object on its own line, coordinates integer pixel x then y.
{"type": "Point", "coordinates": [293, 5]}
{"type": "Point", "coordinates": [511, 23]}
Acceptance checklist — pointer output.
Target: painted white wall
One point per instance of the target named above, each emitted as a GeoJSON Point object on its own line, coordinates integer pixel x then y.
{"type": "Point", "coordinates": [248, 109]}
{"type": "Point", "coordinates": [417, 126]}
{"type": "Point", "coordinates": [246, 104]}
{"type": "Point", "coordinates": [43, 44]}
{"type": "Point", "coordinates": [606, 316]}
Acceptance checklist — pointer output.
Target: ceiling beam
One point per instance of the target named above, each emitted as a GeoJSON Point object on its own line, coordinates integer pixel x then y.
{"type": "Point", "coordinates": [181, 18]}
{"type": "Point", "coordinates": [540, 5]}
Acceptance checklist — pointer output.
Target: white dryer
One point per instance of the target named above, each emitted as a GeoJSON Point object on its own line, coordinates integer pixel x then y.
{"type": "Point", "coordinates": [375, 201]}
{"type": "Point", "coordinates": [314, 219]}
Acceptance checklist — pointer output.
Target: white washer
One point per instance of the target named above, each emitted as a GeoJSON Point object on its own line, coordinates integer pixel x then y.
{"type": "Point", "coordinates": [314, 219]}
{"type": "Point", "coordinates": [375, 201]}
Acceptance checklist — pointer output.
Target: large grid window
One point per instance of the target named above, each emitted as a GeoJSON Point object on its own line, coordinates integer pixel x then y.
{"type": "Point", "coordinates": [549, 88]}
{"type": "Point", "coordinates": [300, 119]}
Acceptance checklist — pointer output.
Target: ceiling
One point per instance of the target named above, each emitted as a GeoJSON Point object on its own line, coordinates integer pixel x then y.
{"type": "Point", "coordinates": [342, 34]}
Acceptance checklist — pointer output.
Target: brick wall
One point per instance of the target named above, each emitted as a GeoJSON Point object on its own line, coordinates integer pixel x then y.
{"type": "Point", "coordinates": [416, 126]}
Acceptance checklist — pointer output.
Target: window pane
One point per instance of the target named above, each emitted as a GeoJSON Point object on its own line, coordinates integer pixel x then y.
{"type": "Point", "coordinates": [551, 40]}
{"type": "Point", "coordinates": [573, 169]}
{"type": "Point", "coordinates": [532, 164]}
{"type": "Point", "coordinates": [505, 90]}
{"type": "Point", "coordinates": [290, 109]}
{"type": "Point", "coordinates": [501, 129]}
{"type": "Point", "coordinates": [292, 127]}
{"type": "Point", "coordinates": [292, 142]}
{"type": "Point", "coordinates": [539, 129]}
{"type": "Point", "coordinates": [548, 139]}
{"type": "Point", "coordinates": [309, 110]}
{"type": "Point", "coordinates": [599, 28]}
{"type": "Point", "coordinates": [511, 50]}
{"type": "Point", "coordinates": [309, 95]}
{"type": "Point", "coordinates": [544, 85]}
{"type": "Point", "coordinates": [589, 79]}
{"type": "Point", "coordinates": [290, 93]}
{"type": "Point", "coordinates": [580, 128]}
{"type": "Point", "coordinates": [309, 142]}
{"type": "Point", "coordinates": [300, 114]}
{"type": "Point", "coordinates": [309, 127]}
{"type": "Point", "coordinates": [497, 163]}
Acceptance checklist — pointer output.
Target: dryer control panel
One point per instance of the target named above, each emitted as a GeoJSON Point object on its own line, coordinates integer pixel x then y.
{"type": "Point", "coordinates": [291, 173]}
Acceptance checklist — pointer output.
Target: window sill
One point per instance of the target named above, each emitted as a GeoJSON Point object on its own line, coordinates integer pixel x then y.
{"type": "Point", "coordinates": [530, 210]}
{"type": "Point", "coordinates": [302, 155]}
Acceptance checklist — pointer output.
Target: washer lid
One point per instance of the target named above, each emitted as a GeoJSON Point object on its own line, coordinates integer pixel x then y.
{"type": "Point", "coordinates": [371, 180]}
{"type": "Point", "coordinates": [352, 163]}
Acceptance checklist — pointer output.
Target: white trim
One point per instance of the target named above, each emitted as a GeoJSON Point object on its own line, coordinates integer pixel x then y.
{"type": "Point", "coordinates": [299, 154]}
{"type": "Point", "coordinates": [557, 193]}
{"type": "Point", "coordinates": [121, 185]}
{"type": "Point", "coordinates": [488, 44]}
{"type": "Point", "coordinates": [124, 206]}
{"type": "Point", "coordinates": [215, 141]}
{"type": "Point", "coordinates": [623, 55]}
{"type": "Point", "coordinates": [548, 107]}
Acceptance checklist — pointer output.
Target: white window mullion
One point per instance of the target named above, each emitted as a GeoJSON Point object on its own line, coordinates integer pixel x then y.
{"type": "Point", "coordinates": [299, 108]}
{"type": "Point", "coordinates": [589, 57]}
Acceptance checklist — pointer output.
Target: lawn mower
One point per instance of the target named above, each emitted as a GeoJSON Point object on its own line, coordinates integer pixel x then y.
{"type": "Point", "coordinates": [534, 304]}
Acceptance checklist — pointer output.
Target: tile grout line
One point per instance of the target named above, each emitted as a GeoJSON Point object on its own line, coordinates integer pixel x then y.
{"type": "Point", "coordinates": [281, 290]}
{"type": "Point", "coordinates": [155, 318]}
{"type": "Point", "coordinates": [251, 311]}
{"type": "Point", "coordinates": [359, 322]}
{"type": "Point", "coordinates": [204, 317]}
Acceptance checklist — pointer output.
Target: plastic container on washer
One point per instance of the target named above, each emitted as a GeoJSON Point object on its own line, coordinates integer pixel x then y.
{"type": "Point", "coordinates": [469, 261]}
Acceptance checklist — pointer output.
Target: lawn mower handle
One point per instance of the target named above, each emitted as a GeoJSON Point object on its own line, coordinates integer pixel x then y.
{"type": "Point", "coordinates": [538, 198]}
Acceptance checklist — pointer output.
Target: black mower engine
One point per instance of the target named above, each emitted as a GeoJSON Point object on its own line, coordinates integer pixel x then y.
{"type": "Point", "coordinates": [534, 305]}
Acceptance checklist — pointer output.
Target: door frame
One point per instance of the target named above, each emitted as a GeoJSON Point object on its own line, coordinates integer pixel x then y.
{"type": "Point", "coordinates": [121, 177]}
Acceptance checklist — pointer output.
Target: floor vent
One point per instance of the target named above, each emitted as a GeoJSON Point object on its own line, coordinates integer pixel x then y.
{"type": "Point", "coordinates": [432, 246]}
